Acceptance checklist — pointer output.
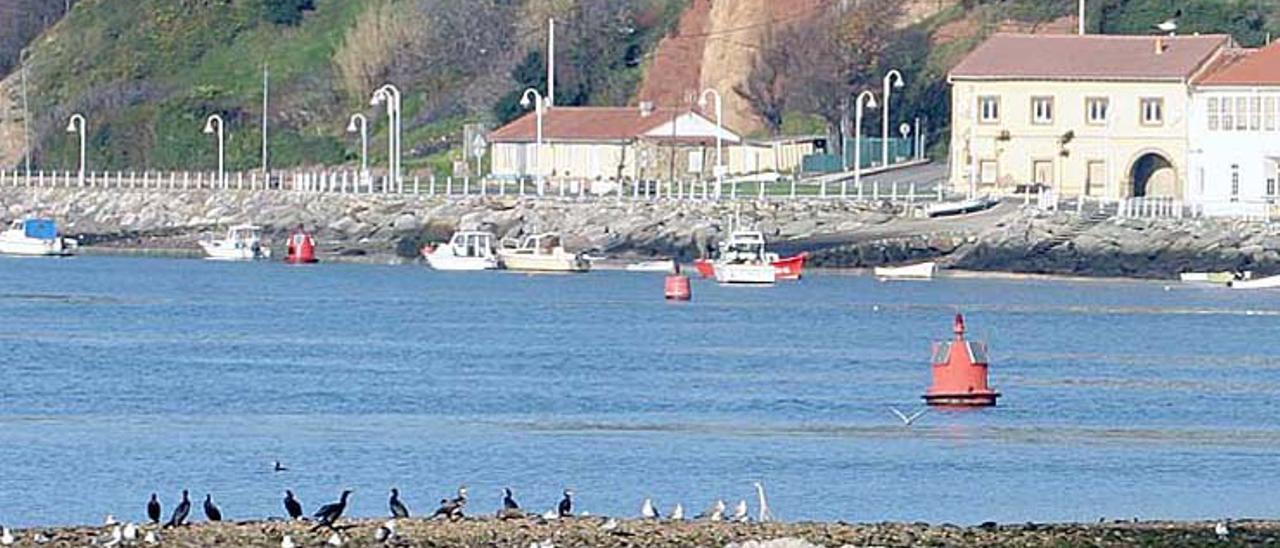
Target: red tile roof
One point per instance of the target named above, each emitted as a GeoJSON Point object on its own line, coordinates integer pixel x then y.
{"type": "Point", "coordinates": [1258, 67]}
{"type": "Point", "coordinates": [585, 124]}
{"type": "Point", "coordinates": [1089, 57]}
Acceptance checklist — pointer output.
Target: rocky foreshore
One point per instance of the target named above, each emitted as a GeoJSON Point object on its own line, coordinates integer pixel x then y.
{"type": "Point", "coordinates": [1011, 238]}
{"type": "Point", "coordinates": [600, 532]}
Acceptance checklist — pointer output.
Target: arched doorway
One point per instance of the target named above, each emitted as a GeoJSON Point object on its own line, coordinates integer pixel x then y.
{"type": "Point", "coordinates": [1152, 174]}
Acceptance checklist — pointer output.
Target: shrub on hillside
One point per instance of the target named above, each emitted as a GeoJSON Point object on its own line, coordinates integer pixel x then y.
{"type": "Point", "coordinates": [286, 12]}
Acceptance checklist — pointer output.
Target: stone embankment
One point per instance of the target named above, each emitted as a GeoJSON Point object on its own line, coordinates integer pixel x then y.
{"type": "Point", "coordinates": [599, 532]}
{"type": "Point", "coordinates": [1010, 238]}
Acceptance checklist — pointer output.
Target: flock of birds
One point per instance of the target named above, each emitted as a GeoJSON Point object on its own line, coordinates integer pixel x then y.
{"type": "Point", "coordinates": [327, 516]}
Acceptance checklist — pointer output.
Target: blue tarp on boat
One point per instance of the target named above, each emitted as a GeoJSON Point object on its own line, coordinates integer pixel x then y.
{"type": "Point", "coordinates": [43, 229]}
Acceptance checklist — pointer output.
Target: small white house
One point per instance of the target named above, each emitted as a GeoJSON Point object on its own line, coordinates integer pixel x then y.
{"type": "Point", "coordinates": [1235, 134]}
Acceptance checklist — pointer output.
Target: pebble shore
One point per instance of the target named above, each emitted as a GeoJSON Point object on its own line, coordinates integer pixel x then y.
{"type": "Point", "coordinates": [593, 532]}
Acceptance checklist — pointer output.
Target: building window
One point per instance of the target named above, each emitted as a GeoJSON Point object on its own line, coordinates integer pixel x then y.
{"type": "Point", "coordinates": [1235, 182]}
{"type": "Point", "coordinates": [1152, 111]}
{"type": "Point", "coordinates": [1042, 110]}
{"type": "Point", "coordinates": [1242, 113]}
{"type": "Point", "coordinates": [1096, 110]}
{"type": "Point", "coordinates": [1228, 121]}
{"type": "Point", "coordinates": [988, 172]}
{"type": "Point", "coordinates": [988, 109]}
{"type": "Point", "coordinates": [1211, 113]}
{"type": "Point", "coordinates": [1255, 113]}
{"type": "Point", "coordinates": [1269, 113]}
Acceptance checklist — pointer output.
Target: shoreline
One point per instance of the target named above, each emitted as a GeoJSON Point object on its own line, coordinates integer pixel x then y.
{"type": "Point", "coordinates": [606, 532]}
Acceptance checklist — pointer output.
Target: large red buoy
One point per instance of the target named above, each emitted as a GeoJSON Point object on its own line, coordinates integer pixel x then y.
{"type": "Point", "coordinates": [960, 372]}
{"type": "Point", "coordinates": [677, 287]}
{"type": "Point", "coordinates": [302, 248]}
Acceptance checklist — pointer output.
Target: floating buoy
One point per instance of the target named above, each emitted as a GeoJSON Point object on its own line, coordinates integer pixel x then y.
{"type": "Point", "coordinates": [677, 287]}
{"type": "Point", "coordinates": [302, 247]}
{"type": "Point", "coordinates": [960, 372]}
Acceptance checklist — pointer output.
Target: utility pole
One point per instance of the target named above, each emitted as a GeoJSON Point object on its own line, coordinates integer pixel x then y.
{"type": "Point", "coordinates": [1080, 17]}
{"type": "Point", "coordinates": [551, 62]}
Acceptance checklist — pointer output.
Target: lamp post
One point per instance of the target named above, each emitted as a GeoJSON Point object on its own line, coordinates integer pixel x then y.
{"type": "Point", "coordinates": [209, 129]}
{"type": "Point", "coordinates": [76, 125]}
{"type": "Point", "coordinates": [360, 123]}
{"type": "Point", "coordinates": [868, 100]}
{"type": "Point", "coordinates": [892, 77]}
{"type": "Point", "coordinates": [719, 169]}
{"type": "Point", "coordinates": [531, 96]}
{"type": "Point", "coordinates": [23, 56]}
{"type": "Point", "coordinates": [391, 95]}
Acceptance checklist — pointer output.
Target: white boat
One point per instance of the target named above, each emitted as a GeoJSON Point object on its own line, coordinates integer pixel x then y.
{"type": "Point", "coordinates": [921, 271]}
{"type": "Point", "coordinates": [664, 265]}
{"type": "Point", "coordinates": [1270, 282]}
{"type": "Point", "coordinates": [743, 260]}
{"type": "Point", "coordinates": [541, 253]}
{"type": "Point", "coordinates": [468, 250]}
{"type": "Point", "coordinates": [243, 243]}
{"type": "Point", "coordinates": [35, 237]}
{"type": "Point", "coordinates": [1218, 278]}
{"type": "Point", "coordinates": [942, 209]}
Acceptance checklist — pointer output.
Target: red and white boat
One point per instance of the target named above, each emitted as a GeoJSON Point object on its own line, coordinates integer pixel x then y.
{"type": "Point", "coordinates": [784, 268]}
{"type": "Point", "coordinates": [302, 248]}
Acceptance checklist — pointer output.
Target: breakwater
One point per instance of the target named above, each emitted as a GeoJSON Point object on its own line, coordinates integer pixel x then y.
{"type": "Point", "coordinates": [837, 234]}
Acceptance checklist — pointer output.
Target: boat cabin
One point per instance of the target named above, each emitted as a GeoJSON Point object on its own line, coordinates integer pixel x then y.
{"type": "Point", "coordinates": [745, 247]}
{"type": "Point", "coordinates": [472, 244]}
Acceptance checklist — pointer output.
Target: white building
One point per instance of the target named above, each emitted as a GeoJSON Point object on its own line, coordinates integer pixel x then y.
{"type": "Point", "coordinates": [1235, 134]}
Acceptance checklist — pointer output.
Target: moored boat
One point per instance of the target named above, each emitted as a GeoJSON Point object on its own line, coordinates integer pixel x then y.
{"type": "Point", "coordinates": [1270, 282]}
{"type": "Point", "coordinates": [542, 253]}
{"type": "Point", "coordinates": [785, 268]}
{"type": "Point", "coordinates": [664, 265]}
{"type": "Point", "coordinates": [1217, 278]}
{"type": "Point", "coordinates": [920, 271]}
{"type": "Point", "coordinates": [973, 205]}
{"type": "Point", "coordinates": [789, 268]}
{"type": "Point", "coordinates": [35, 237]}
{"type": "Point", "coordinates": [302, 248]}
{"type": "Point", "coordinates": [743, 260]}
{"type": "Point", "coordinates": [242, 243]}
{"type": "Point", "coordinates": [466, 251]}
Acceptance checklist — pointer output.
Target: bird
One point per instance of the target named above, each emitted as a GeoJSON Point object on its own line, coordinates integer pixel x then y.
{"type": "Point", "coordinates": [398, 509]}
{"type": "Point", "coordinates": [211, 510]}
{"type": "Point", "coordinates": [116, 536]}
{"type": "Point", "coordinates": [109, 521]}
{"type": "Point", "coordinates": [565, 509]}
{"type": "Point", "coordinates": [130, 532]}
{"type": "Point", "coordinates": [715, 513]}
{"type": "Point", "coordinates": [548, 543]}
{"type": "Point", "coordinates": [151, 538]}
{"type": "Point", "coordinates": [386, 531]}
{"type": "Point", "coordinates": [907, 420]}
{"type": "Point", "coordinates": [1221, 530]}
{"type": "Point", "coordinates": [509, 500]}
{"type": "Point", "coordinates": [647, 511]}
{"type": "Point", "coordinates": [609, 525]}
{"type": "Point", "coordinates": [180, 513]}
{"type": "Point", "coordinates": [677, 513]}
{"type": "Point", "coordinates": [287, 542]}
{"type": "Point", "coordinates": [1170, 25]}
{"type": "Point", "coordinates": [41, 538]}
{"type": "Point", "coordinates": [292, 506]}
{"type": "Point", "coordinates": [740, 512]}
{"type": "Point", "coordinates": [277, 467]}
{"type": "Point", "coordinates": [452, 508]}
{"type": "Point", "coordinates": [6, 537]}
{"type": "Point", "coordinates": [153, 509]}
{"type": "Point", "coordinates": [335, 539]}
{"type": "Point", "coordinates": [765, 515]}
{"type": "Point", "coordinates": [330, 513]}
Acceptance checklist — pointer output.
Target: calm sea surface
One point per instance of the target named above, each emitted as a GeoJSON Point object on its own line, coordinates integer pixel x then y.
{"type": "Point", "coordinates": [121, 377]}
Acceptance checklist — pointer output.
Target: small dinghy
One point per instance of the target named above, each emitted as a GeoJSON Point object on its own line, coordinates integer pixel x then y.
{"type": "Point", "coordinates": [921, 271]}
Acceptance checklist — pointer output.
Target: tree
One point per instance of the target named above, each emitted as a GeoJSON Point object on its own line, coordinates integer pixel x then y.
{"type": "Point", "coordinates": [286, 12]}
{"type": "Point", "coordinates": [765, 88]}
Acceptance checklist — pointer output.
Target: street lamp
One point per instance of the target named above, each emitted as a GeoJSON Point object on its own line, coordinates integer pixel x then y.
{"type": "Point", "coordinates": [391, 95]}
{"type": "Point", "coordinates": [76, 125]}
{"type": "Point", "coordinates": [531, 96]}
{"type": "Point", "coordinates": [896, 78]}
{"type": "Point", "coordinates": [868, 100]}
{"type": "Point", "coordinates": [209, 129]}
{"type": "Point", "coordinates": [360, 123]}
{"type": "Point", "coordinates": [702, 102]}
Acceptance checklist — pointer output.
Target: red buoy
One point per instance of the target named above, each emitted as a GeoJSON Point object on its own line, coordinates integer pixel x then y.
{"type": "Point", "coordinates": [302, 248]}
{"type": "Point", "coordinates": [960, 372]}
{"type": "Point", "coordinates": [677, 287]}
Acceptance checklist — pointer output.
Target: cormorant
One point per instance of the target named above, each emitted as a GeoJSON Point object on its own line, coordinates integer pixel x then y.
{"type": "Point", "coordinates": [508, 500]}
{"type": "Point", "coordinates": [180, 513]}
{"type": "Point", "coordinates": [277, 467]}
{"type": "Point", "coordinates": [211, 510]}
{"type": "Point", "coordinates": [153, 509]}
{"type": "Point", "coordinates": [292, 506]}
{"type": "Point", "coordinates": [565, 509]}
{"type": "Point", "coordinates": [452, 508]}
{"type": "Point", "coordinates": [330, 513]}
{"type": "Point", "coordinates": [398, 509]}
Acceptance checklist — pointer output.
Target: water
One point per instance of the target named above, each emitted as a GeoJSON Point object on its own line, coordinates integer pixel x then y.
{"type": "Point", "coordinates": [126, 376]}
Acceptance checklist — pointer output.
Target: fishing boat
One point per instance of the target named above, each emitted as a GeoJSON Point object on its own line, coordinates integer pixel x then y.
{"type": "Point", "coordinates": [664, 265]}
{"type": "Point", "coordinates": [541, 253]}
{"type": "Point", "coordinates": [785, 268]}
{"type": "Point", "coordinates": [35, 237]}
{"type": "Point", "coordinates": [466, 251]}
{"type": "Point", "coordinates": [302, 248]}
{"type": "Point", "coordinates": [743, 260]}
{"type": "Point", "coordinates": [920, 271]}
{"type": "Point", "coordinates": [1270, 282]}
{"type": "Point", "coordinates": [242, 243]}
{"type": "Point", "coordinates": [788, 268]}
{"type": "Point", "coordinates": [1216, 278]}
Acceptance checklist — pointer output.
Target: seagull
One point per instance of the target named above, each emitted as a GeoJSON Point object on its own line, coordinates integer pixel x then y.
{"type": "Point", "coordinates": [111, 520]}
{"type": "Point", "coordinates": [6, 537]}
{"type": "Point", "coordinates": [551, 514]}
{"type": "Point", "coordinates": [211, 510]}
{"type": "Point", "coordinates": [740, 513]}
{"type": "Point", "coordinates": [292, 506]}
{"type": "Point", "coordinates": [609, 525]}
{"type": "Point", "coordinates": [386, 532]}
{"type": "Point", "coordinates": [715, 513]}
{"type": "Point", "coordinates": [130, 532]}
{"type": "Point", "coordinates": [647, 511]}
{"type": "Point", "coordinates": [542, 544]}
{"type": "Point", "coordinates": [151, 538]}
{"type": "Point", "coordinates": [335, 539]}
{"type": "Point", "coordinates": [677, 513]}
{"type": "Point", "coordinates": [277, 467]}
{"type": "Point", "coordinates": [41, 538]}
{"type": "Point", "coordinates": [398, 509]}
{"type": "Point", "coordinates": [117, 536]}
{"type": "Point", "coordinates": [180, 513]}
{"type": "Point", "coordinates": [1170, 25]}
{"type": "Point", "coordinates": [908, 419]}
{"type": "Point", "coordinates": [287, 542]}
{"type": "Point", "coordinates": [330, 513]}
{"type": "Point", "coordinates": [565, 509]}
{"type": "Point", "coordinates": [153, 509]}
{"type": "Point", "coordinates": [765, 514]}
{"type": "Point", "coordinates": [1221, 530]}
{"type": "Point", "coordinates": [452, 508]}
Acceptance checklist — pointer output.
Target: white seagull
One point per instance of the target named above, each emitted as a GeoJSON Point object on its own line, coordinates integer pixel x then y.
{"type": "Point", "coordinates": [335, 539]}
{"type": "Point", "coordinates": [647, 511]}
{"type": "Point", "coordinates": [151, 538]}
{"type": "Point", "coordinates": [766, 515]}
{"type": "Point", "coordinates": [1221, 530]}
{"type": "Point", "coordinates": [715, 513]}
{"type": "Point", "coordinates": [117, 536]}
{"type": "Point", "coordinates": [6, 537]}
{"type": "Point", "coordinates": [677, 513]}
{"type": "Point", "coordinates": [111, 520]}
{"type": "Point", "coordinates": [287, 542]}
{"type": "Point", "coordinates": [740, 513]}
{"type": "Point", "coordinates": [907, 420]}
{"type": "Point", "coordinates": [609, 525]}
{"type": "Point", "coordinates": [1170, 25]}
{"type": "Point", "coordinates": [130, 532]}
{"type": "Point", "coordinates": [386, 532]}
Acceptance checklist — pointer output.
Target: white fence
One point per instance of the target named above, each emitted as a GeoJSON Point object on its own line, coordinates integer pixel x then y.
{"type": "Point", "coordinates": [1153, 207]}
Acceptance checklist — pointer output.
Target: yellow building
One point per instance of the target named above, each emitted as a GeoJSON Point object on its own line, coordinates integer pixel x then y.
{"type": "Point", "coordinates": [1095, 115]}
